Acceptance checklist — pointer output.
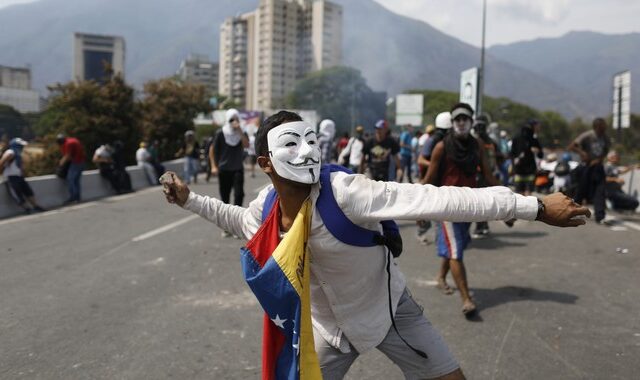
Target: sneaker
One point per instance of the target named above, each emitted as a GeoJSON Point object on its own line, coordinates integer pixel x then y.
{"type": "Point", "coordinates": [479, 234]}
{"type": "Point", "coordinates": [225, 234]}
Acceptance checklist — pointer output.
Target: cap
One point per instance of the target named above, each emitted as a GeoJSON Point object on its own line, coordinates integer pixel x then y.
{"type": "Point", "coordinates": [359, 129]}
{"type": "Point", "coordinates": [443, 120]}
{"type": "Point", "coordinates": [17, 141]}
{"type": "Point", "coordinates": [430, 128]}
{"type": "Point", "coordinates": [381, 124]}
{"type": "Point", "coordinates": [461, 109]}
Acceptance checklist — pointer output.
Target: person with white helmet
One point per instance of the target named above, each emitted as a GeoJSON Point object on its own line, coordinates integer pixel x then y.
{"type": "Point", "coordinates": [442, 127]}
{"type": "Point", "coordinates": [326, 133]}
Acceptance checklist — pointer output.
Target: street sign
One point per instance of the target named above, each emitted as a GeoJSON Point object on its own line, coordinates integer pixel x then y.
{"type": "Point", "coordinates": [409, 109]}
{"type": "Point", "coordinates": [622, 100]}
{"type": "Point", "coordinates": [469, 87]}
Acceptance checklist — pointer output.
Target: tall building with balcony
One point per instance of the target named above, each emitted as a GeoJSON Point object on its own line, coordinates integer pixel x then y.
{"type": "Point", "coordinates": [97, 57]}
{"type": "Point", "coordinates": [15, 89]}
{"type": "Point", "coordinates": [199, 69]}
{"type": "Point", "coordinates": [267, 51]}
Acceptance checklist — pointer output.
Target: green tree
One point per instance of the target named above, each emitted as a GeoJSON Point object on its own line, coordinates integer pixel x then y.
{"type": "Point", "coordinates": [168, 109]}
{"type": "Point", "coordinates": [95, 114]}
{"type": "Point", "coordinates": [341, 94]}
{"type": "Point", "coordinates": [12, 122]}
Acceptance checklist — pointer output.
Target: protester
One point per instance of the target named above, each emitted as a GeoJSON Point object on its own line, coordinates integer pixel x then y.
{"type": "Point", "coordinates": [415, 152]}
{"type": "Point", "coordinates": [406, 153]}
{"type": "Point", "coordinates": [351, 156]}
{"type": "Point", "coordinates": [190, 150]}
{"type": "Point", "coordinates": [354, 298]}
{"type": "Point", "coordinates": [143, 158]}
{"type": "Point", "coordinates": [342, 143]}
{"type": "Point", "coordinates": [251, 154]}
{"type": "Point", "coordinates": [156, 158]}
{"type": "Point", "coordinates": [227, 155]}
{"type": "Point", "coordinates": [102, 158]}
{"type": "Point", "coordinates": [326, 133]}
{"type": "Point", "coordinates": [523, 148]}
{"type": "Point", "coordinates": [380, 151]}
{"type": "Point", "coordinates": [493, 158]}
{"type": "Point", "coordinates": [443, 124]}
{"type": "Point", "coordinates": [505, 149]}
{"type": "Point", "coordinates": [592, 146]}
{"type": "Point", "coordinates": [620, 201]}
{"type": "Point", "coordinates": [454, 162]}
{"type": "Point", "coordinates": [11, 167]}
{"type": "Point", "coordinates": [71, 165]}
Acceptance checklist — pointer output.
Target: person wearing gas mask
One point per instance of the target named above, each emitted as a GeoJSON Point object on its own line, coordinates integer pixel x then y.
{"type": "Point", "coordinates": [358, 296]}
{"type": "Point", "coordinates": [455, 162]}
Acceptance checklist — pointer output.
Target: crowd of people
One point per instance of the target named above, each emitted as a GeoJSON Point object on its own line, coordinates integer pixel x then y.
{"type": "Point", "coordinates": [320, 295]}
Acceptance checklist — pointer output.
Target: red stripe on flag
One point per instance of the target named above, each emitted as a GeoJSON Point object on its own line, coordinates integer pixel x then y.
{"type": "Point", "coordinates": [267, 238]}
{"type": "Point", "coordinates": [272, 342]}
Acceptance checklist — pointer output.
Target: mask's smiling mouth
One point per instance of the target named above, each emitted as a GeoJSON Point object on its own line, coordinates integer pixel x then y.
{"type": "Point", "coordinates": [307, 162]}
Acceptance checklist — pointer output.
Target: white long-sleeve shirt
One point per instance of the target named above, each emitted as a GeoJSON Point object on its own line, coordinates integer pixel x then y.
{"type": "Point", "coordinates": [349, 284]}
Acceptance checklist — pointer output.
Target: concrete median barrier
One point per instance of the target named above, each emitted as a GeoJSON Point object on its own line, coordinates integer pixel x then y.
{"type": "Point", "coordinates": [51, 191]}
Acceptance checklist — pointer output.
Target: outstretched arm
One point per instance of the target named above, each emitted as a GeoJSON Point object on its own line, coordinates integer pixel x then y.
{"type": "Point", "coordinates": [228, 217]}
{"type": "Point", "coordinates": [364, 200]}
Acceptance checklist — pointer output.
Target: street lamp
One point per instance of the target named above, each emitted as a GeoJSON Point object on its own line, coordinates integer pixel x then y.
{"type": "Point", "coordinates": [481, 73]}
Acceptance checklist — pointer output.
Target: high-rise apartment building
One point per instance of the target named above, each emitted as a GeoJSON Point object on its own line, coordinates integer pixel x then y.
{"type": "Point", "coordinates": [264, 53]}
{"type": "Point", "coordinates": [15, 89]}
{"type": "Point", "coordinates": [94, 54]}
{"type": "Point", "coordinates": [199, 69]}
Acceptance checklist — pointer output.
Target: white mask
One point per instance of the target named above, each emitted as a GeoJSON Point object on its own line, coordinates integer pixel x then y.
{"type": "Point", "coordinates": [461, 126]}
{"type": "Point", "coordinates": [294, 152]}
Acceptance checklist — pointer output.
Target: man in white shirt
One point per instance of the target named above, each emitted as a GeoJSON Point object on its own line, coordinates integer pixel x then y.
{"type": "Point", "coordinates": [143, 158]}
{"type": "Point", "coordinates": [351, 293]}
{"type": "Point", "coordinates": [11, 168]}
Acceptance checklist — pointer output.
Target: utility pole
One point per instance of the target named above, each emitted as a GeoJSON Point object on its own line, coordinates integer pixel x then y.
{"type": "Point", "coordinates": [481, 73]}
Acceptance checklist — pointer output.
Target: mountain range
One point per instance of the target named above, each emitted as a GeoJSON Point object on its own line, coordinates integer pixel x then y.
{"type": "Point", "coordinates": [394, 53]}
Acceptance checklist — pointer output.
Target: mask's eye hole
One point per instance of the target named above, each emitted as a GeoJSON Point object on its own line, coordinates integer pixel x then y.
{"type": "Point", "coordinates": [290, 144]}
{"type": "Point", "coordinates": [312, 142]}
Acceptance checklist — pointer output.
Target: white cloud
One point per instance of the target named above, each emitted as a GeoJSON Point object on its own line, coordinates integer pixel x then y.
{"type": "Point", "coordinates": [5, 3]}
{"type": "Point", "coordinates": [516, 20]}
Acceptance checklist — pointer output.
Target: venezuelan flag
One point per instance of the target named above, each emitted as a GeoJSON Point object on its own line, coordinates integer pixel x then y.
{"type": "Point", "coordinates": [278, 274]}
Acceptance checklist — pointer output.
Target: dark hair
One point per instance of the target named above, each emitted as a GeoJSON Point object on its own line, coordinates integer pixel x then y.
{"type": "Point", "coordinates": [598, 121]}
{"type": "Point", "coordinates": [268, 124]}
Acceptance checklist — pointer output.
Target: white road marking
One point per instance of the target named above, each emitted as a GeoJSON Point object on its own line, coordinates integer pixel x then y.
{"type": "Point", "coordinates": [162, 229]}
{"type": "Point", "coordinates": [635, 226]}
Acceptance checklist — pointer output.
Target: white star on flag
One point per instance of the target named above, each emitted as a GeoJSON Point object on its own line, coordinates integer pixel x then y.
{"type": "Point", "coordinates": [279, 322]}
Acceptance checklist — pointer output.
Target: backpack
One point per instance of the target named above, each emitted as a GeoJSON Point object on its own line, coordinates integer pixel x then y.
{"type": "Point", "coordinates": [562, 168]}
{"type": "Point", "coordinates": [337, 222]}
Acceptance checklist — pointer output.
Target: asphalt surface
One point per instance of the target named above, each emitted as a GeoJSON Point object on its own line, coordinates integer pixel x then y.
{"type": "Point", "coordinates": [130, 287]}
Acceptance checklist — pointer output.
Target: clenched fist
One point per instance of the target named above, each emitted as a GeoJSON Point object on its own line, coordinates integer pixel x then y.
{"type": "Point", "coordinates": [174, 189]}
{"type": "Point", "coordinates": [562, 211]}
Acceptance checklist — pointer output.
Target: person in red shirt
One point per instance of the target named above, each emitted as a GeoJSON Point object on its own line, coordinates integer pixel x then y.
{"type": "Point", "coordinates": [72, 156]}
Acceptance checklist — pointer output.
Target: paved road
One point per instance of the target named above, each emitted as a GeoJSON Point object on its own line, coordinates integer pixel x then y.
{"type": "Point", "coordinates": [132, 288]}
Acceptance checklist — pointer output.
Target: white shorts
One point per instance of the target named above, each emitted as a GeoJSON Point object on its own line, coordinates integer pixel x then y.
{"type": "Point", "coordinates": [415, 329]}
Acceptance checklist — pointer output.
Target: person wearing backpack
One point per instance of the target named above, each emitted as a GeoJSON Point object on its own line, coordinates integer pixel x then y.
{"type": "Point", "coordinates": [359, 298]}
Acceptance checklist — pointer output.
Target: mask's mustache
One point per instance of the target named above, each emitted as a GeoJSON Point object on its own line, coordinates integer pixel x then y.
{"type": "Point", "coordinates": [307, 161]}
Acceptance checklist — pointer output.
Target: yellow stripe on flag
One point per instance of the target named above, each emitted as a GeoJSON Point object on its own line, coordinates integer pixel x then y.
{"type": "Point", "coordinates": [292, 255]}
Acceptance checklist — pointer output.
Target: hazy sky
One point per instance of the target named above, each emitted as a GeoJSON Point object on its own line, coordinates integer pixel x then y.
{"type": "Point", "coordinates": [517, 20]}
{"type": "Point", "coordinates": [512, 20]}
